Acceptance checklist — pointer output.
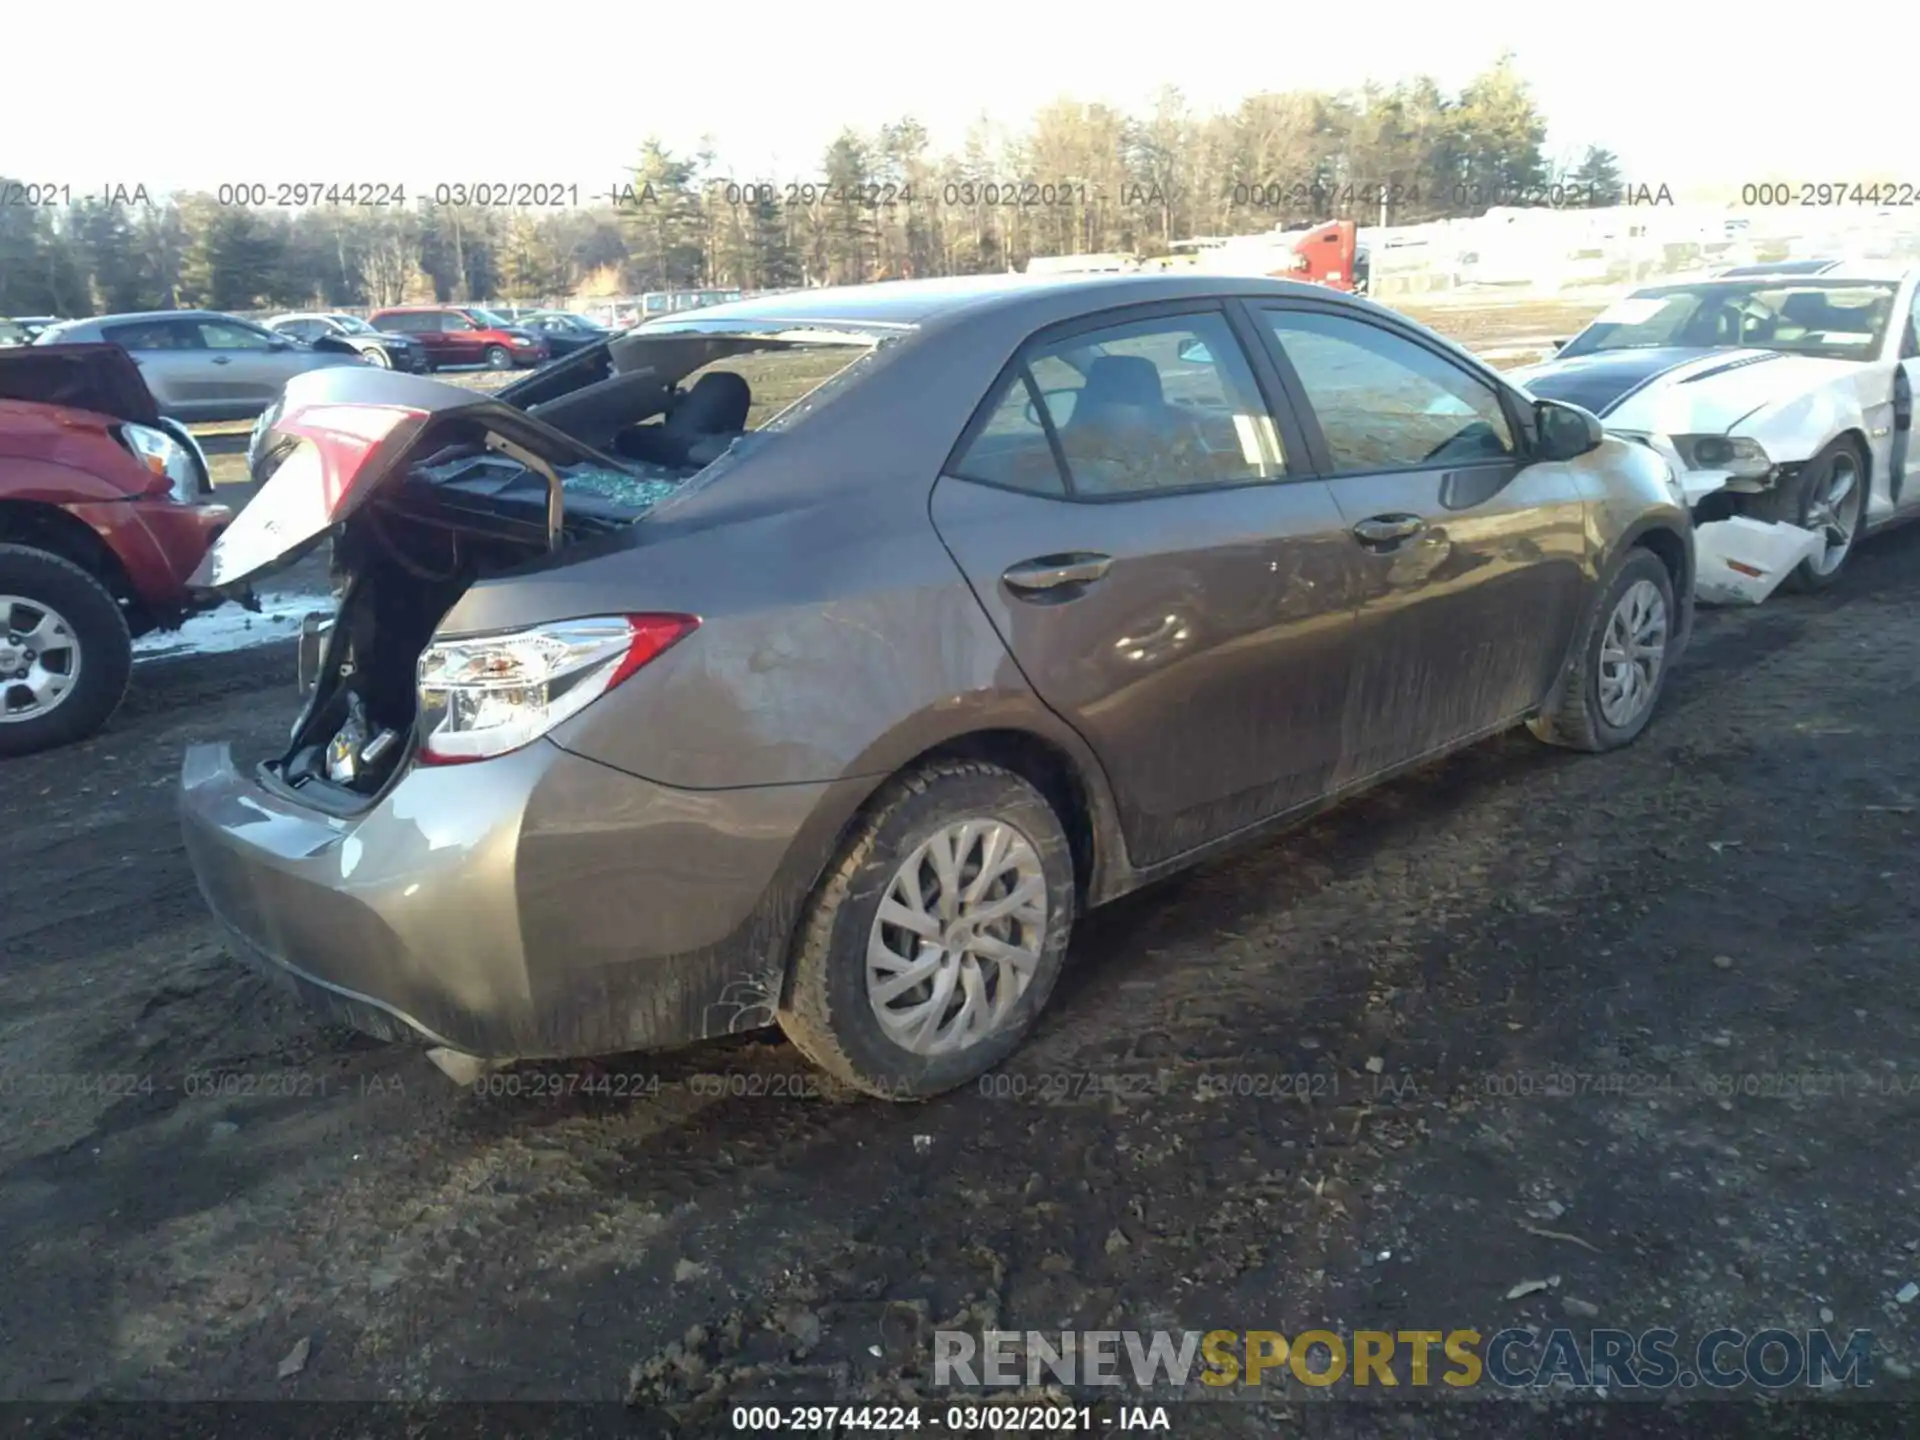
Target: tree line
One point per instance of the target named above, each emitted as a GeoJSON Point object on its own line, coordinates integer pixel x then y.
{"type": "Point", "coordinates": [1080, 178]}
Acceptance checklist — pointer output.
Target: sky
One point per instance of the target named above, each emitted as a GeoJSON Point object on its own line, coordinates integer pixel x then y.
{"type": "Point", "coordinates": [422, 91]}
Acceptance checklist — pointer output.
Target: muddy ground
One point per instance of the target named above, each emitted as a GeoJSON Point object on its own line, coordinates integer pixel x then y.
{"type": "Point", "coordinates": [1641, 1024]}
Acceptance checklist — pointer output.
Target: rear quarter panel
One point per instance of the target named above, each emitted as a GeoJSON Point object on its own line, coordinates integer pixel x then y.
{"type": "Point", "coordinates": [838, 637]}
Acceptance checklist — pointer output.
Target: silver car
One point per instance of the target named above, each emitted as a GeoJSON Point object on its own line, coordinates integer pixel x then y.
{"type": "Point", "coordinates": [202, 365]}
{"type": "Point", "coordinates": [816, 659]}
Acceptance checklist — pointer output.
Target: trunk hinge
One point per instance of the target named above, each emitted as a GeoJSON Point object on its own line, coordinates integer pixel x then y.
{"type": "Point", "coordinates": [556, 503]}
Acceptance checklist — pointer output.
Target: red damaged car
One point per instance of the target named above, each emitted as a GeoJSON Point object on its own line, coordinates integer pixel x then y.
{"type": "Point", "coordinates": [105, 511]}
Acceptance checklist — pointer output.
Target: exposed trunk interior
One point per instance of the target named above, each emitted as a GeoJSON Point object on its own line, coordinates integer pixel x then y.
{"type": "Point", "coordinates": [461, 513]}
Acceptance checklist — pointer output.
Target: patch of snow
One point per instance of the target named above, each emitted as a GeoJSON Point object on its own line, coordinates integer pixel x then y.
{"type": "Point", "coordinates": [232, 628]}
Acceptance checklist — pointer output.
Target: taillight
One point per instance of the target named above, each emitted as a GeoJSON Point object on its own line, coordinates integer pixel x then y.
{"type": "Point", "coordinates": [343, 436]}
{"type": "Point", "coordinates": [494, 693]}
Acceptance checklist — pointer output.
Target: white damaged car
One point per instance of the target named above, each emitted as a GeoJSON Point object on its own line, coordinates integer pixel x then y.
{"type": "Point", "coordinates": [1781, 397]}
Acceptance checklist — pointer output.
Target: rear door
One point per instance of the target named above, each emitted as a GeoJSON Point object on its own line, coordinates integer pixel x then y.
{"type": "Point", "coordinates": [1472, 561]}
{"type": "Point", "coordinates": [1140, 524]}
{"type": "Point", "coordinates": [172, 362]}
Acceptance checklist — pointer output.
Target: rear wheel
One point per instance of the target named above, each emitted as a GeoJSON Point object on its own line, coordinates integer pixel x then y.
{"type": "Point", "coordinates": [1828, 497]}
{"type": "Point", "coordinates": [65, 654]}
{"type": "Point", "coordinates": [933, 943]}
{"type": "Point", "coordinates": [498, 358]}
{"type": "Point", "coordinates": [1619, 666]}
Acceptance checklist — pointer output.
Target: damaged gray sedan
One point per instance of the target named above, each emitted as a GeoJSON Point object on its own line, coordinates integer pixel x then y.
{"type": "Point", "coordinates": [815, 660]}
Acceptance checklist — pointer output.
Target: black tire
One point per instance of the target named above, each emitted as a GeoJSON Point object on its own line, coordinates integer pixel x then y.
{"type": "Point", "coordinates": [498, 358]}
{"type": "Point", "coordinates": [826, 1012]}
{"type": "Point", "coordinates": [1574, 719]}
{"type": "Point", "coordinates": [1792, 502]}
{"type": "Point", "coordinates": [100, 632]}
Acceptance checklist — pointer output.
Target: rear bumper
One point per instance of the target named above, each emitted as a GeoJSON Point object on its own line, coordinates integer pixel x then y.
{"type": "Point", "coordinates": [538, 904]}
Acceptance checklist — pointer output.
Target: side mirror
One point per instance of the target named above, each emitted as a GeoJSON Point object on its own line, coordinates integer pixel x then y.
{"type": "Point", "coordinates": [1565, 431]}
{"type": "Point", "coordinates": [1194, 352]}
{"type": "Point", "coordinates": [1558, 345]}
{"type": "Point", "coordinates": [279, 342]}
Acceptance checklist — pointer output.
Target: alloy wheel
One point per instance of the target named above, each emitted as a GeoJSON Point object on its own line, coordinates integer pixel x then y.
{"type": "Point", "coordinates": [1632, 651]}
{"type": "Point", "coordinates": [958, 936]}
{"type": "Point", "coordinates": [39, 658]}
{"type": "Point", "coordinates": [1833, 513]}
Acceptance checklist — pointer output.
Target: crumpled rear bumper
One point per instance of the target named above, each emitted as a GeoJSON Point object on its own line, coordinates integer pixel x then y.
{"type": "Point", "coordinates": [538, 904]}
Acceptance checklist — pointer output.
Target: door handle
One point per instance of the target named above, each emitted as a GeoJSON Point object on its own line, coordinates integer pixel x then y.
{"type": "Point", "coordinates": [1388, 529]}
{"type": "Point", "coordinates": [1050, 572]}
{"type": "Point", "coordinates": [222, 360]}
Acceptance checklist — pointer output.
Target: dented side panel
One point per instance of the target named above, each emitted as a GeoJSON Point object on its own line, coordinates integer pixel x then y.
{"type": "Point", "coordinates": [1465, 624]}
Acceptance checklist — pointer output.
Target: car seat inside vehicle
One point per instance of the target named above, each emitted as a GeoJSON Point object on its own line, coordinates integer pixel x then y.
{"type": "Point", "coordinates": [701, 423]}
{"type": "Point", "coordinates": [1122, 432]}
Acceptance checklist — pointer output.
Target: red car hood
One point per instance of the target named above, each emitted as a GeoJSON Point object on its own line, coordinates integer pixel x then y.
{"type": "Point", "coordinates": [101, 378]}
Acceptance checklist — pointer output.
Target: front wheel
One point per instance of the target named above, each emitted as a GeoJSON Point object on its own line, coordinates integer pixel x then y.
{"type": "Point", "coordinates": [1828, 497]}
{"type": "Point", "coordinates": [934, 941]}
{"type": "Point", "coordinates": [498, 358]}
{"type": "Point", "coordinates": [1619, 666]}
{"type": "Point", "coordinates": [374, 355]}
{"type": "Point", "coordinates": [65, 653]}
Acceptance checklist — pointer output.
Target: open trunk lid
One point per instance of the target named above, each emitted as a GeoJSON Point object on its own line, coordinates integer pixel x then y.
{"type": "Point", "coordinates": [339, 437]}
{"type": "Point", "coordinates": [99, 377]}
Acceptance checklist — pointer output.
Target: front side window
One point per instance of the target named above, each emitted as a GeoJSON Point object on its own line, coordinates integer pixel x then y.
{"type": "Point", "coordinates": [1153, 405]}
{"type": "Point", "coordinates": [1384, 402]}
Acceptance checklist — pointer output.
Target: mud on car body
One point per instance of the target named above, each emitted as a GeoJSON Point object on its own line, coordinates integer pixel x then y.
{"type": "Point", "coordinates": [816, 659]}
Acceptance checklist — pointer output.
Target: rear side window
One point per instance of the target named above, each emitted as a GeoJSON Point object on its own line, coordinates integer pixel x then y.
{"type": "Point", "coordinates": [1155, 405]}
{"type": "Point", "coordinates": [1012, 449]}
{"type": "Point", "coordinates": [1386, 403]}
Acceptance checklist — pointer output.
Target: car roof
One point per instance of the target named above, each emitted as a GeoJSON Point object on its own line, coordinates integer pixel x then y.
{"type": "Point", "coordinates": [916, 303]}
{"type": "Point", "coordinates": [1783, 267]}
{"type": "Point", "coordinates": [133, 315]}
{"type": "Point", "coordinates": [1868, 273]}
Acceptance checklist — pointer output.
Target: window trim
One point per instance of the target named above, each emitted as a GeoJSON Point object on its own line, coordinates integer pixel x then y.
{"type": "Point", "coordinates": [1504, 394]}
{"type": "Point", "coordinates": [1292, 439]}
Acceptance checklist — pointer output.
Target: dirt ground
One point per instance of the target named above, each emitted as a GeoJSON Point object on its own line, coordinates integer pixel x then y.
{"type": "Point", "coordinates": [1634, 1023]}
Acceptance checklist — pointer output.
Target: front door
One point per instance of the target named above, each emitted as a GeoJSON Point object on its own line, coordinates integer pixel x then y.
{"type": "Point", "coordinates": [461, 339]}
{"type": "Point", "coordinates": [1473, 561]}
{"type": "Point", "coordinates": [1171, 581]}
{"type": "Point", "coordinates": [1903, 481]}
{"type": "Point", "coordinates": [249, 368]}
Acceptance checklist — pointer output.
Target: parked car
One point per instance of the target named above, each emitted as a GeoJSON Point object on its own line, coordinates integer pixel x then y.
{"type": "Point", "coordinates": [1784, 396]}
{"type": "Point", "coordinates": [32, 325]}
{"type": "Point", "coordinates": [105, 511]}
{"type": "Point", "coordinates": [564, 331]}
{"type": "Point", "coordinates": [465, 335]}
{"type": "Point", "coordinates": [390, 350]}
{"type": "Point", "coordinates": [806, 660]}
{"type": "Point", "coordinates": [201, 365]}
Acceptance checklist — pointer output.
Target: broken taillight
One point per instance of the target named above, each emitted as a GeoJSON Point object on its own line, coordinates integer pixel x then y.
{"type": "Point", "coordinates": [491, 694]}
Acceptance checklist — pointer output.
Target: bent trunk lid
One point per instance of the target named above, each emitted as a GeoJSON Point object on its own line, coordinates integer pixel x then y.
{"type": "Point", "coordinates": [340, 436]}
{"type": "Point", "coordinates": [99, 377]}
